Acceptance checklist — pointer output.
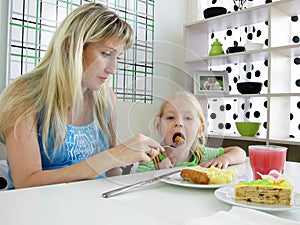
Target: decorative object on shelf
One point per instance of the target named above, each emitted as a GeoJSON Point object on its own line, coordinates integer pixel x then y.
{"type": "Point", "coordinates": [253, 46]}
{"type": "Point", "coordinates": [216, 48]}
{"type": "Point", "coordinates": [210, 82]}
{"type": "Point", "coordinates": [238, 4]}
{"type": "Point", "coordinates": [248, 129]}
{"type": "Point", "coordinates": [235, 49]}
{"type": "Point", "coordinates": [249, 87]}
{"type": "Point", "coordinates": [214, 11]}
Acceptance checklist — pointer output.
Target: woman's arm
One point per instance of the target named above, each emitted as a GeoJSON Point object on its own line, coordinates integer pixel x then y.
{"type": "Point", "coordinates": [117, 171]}
{"type": "Point", "coordinates": [25, 159]}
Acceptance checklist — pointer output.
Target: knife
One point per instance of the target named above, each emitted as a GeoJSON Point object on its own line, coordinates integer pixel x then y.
{"type": "Point", "coordinates": [136, 185]}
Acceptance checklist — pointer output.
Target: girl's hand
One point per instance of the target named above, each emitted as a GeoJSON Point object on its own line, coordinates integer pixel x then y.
{"type": "Point", "coordinates": [221, 162]}
{"type": "Point", "coordinates": [167, 163]}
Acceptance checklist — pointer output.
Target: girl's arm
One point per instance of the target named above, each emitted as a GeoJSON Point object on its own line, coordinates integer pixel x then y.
{"type": "Point", "coordinates": [232, 155]}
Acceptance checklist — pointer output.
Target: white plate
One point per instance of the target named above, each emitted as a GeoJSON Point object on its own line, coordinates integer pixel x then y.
{"type": "Point", "coordinates": [226, 194]}
{"type": "Point", "coordinates": [176, 179]}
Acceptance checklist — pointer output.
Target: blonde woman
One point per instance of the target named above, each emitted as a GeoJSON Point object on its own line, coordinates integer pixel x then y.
{"type": "Point", "coordinates": [57, 121]}
{"type": "Point", "coordinates": [181, 116]}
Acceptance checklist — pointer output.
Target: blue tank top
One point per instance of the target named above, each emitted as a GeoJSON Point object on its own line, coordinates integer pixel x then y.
{"type": "Point", "coordinates": [81, 142]}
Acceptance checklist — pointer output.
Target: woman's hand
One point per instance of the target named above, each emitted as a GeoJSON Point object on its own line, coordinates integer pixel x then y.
{"type": "Point", "coordinates": [140, 148]}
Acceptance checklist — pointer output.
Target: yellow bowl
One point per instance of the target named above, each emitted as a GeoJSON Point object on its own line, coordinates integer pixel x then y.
{"type": "Point", "coordinates": [249, 129]}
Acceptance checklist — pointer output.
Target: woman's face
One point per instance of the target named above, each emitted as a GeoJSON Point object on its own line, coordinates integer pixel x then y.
{"type": "Point", "coordinates": [99, 62]}
{"type": "Point", "coordinates": [179, 116]}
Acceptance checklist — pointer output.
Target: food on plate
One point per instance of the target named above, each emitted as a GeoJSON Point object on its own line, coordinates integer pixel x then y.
{"type": "Point", "coordinates": [272, 189]}
{"type": "Point", "coordinates": [212, 175]}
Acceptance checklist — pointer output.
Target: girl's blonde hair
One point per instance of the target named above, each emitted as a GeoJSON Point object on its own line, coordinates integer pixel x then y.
{"type": "Point", "coordinates": [186, 96]}
{"type": "Point", "coordinates": [54, 85]}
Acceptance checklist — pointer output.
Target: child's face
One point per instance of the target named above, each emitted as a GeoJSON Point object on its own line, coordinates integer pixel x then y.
{"type": "Point", "coordinates": [179, 116]}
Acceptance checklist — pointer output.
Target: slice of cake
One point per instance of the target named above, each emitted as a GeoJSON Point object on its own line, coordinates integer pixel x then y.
{"type": "Point", "coordinates": [270, 190]}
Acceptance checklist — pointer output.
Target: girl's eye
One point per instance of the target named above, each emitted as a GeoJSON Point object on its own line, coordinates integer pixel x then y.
{"type": "Point", "coordinates": [170, 118]}
{"type": "Point", "coordinates": [188, 118]}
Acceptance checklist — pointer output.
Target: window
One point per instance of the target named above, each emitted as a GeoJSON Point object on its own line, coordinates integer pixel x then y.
{"type": "Point", "coordinates": [32, 23]}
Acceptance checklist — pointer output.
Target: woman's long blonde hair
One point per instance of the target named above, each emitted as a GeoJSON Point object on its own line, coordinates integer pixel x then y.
{"type": "Point", "coordinates": [54, 85]}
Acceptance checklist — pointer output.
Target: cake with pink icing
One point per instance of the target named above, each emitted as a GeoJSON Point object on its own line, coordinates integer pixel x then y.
{"type": "Point", "coordinates": [271, 189]}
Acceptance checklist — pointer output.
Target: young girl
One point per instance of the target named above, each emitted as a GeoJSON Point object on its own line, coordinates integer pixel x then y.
{"type": "Point", "coordinates": [181, 115]}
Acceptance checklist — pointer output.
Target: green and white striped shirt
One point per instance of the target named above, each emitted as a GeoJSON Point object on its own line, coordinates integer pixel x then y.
{"type": "Point", "coordinates": [207, 153]}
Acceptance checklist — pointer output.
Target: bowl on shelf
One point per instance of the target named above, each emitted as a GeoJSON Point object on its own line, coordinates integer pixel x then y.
{"type": "Point", "coordinates": [253, 46]}
{"type": "Point", "coordinates": [214, 11]}
{"type": "Point", "coordinates": [248, 129]}
{"type": "Point", "coordinates": [235, 49]}
{"type": "Point", "coordinates": [249, 87]}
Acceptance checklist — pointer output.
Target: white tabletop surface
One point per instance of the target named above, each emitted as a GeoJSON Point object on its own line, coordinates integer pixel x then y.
{"type": "Point", "coordinates": [82, 203]}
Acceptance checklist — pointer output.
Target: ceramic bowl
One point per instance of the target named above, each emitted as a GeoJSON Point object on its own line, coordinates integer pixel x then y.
{"type": "Point", "coordinates": [214, 11]}
{"type": "Point", "coordinates": [249, 87]}
{"type": "Point", "coordinates": [248, 129]}
{"type": "Point", "coordinates": [253, 46]}
{"type": "Point", "coordinates": [235, 49]}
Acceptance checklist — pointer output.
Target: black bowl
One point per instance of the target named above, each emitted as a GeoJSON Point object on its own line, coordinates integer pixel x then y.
{"type": "Point", "coordinates": [214, 11]}
{"type": "Point", "coordinates": [249, 87]}
{"type": "Point", "coordinates": [235, 49]}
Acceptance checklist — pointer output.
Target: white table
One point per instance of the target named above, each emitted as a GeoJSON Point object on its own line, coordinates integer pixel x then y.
{"type": "Point", "coordinates": [81, 202]}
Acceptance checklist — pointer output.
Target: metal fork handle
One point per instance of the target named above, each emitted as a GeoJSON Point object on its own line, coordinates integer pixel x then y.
{"type": "Point", "coordinates": [136, 185]}
{"type": "Point", "coordinates": [123, 189]}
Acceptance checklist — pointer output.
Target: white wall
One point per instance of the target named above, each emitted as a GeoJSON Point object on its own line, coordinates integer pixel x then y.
{"type": "Point", "coordinates": [169, 50]}
{"type": "Point", "coordinates": [169, 73]}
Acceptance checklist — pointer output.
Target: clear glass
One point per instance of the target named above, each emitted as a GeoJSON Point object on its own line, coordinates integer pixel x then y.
{"type": "Point", "coordinates": [264, 158]}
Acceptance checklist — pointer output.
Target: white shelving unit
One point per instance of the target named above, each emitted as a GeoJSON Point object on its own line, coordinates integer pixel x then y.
{"type": "Point", "coordinates": [279, 53]}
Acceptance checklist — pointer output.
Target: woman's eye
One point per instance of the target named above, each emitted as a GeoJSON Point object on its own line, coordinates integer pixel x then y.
{"type": "Point", "coordinates": [106, 54]}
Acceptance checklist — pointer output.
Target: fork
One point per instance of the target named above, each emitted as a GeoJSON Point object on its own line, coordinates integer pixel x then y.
{"type": "Point", "coordinates": [174, 145]}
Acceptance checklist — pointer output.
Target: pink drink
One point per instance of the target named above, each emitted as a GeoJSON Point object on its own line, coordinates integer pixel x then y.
{"type": "Point", "coordinates": [264, 158]}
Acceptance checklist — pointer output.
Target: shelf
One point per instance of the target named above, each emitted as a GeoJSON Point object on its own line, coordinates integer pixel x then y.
{"type": "Point", "coordinates": [231, 20]}
{"type": "Point", "coordinates": [291, 50]}
{"type": "Point", "coordinates": [289, 7]}
{"type": "Point", "coordinates": [235, 96]}
{"type": "Point", "coordinates": [244, 17]}
{"type": "Point", "coordinates": [232, 58]}
{"type": "Point", "coordinates": [290, 141]}
{"type": "Point", "coordinates": [281, 95]}
{"type": "Point", "coordinates": [248, 56]}
{"type": "Point", "coordinates": [274, 95]}
{"type": "Point", "coordinates": [237, 137]}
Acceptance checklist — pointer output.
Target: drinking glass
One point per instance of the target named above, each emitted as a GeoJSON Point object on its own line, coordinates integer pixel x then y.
{"type": "Point", "coordinates": [264, 158]}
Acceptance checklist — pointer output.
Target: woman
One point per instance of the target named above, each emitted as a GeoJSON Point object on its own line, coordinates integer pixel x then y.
{"type": "Point", "coordinates": [57, 121]}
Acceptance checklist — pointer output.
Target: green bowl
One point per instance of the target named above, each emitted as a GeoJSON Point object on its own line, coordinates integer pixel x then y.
{"type": "Point", "coordinates": [248, 129]}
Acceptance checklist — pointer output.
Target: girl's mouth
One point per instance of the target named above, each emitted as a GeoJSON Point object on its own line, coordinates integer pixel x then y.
{"type": "Point", "coordinates": [178, 139]}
